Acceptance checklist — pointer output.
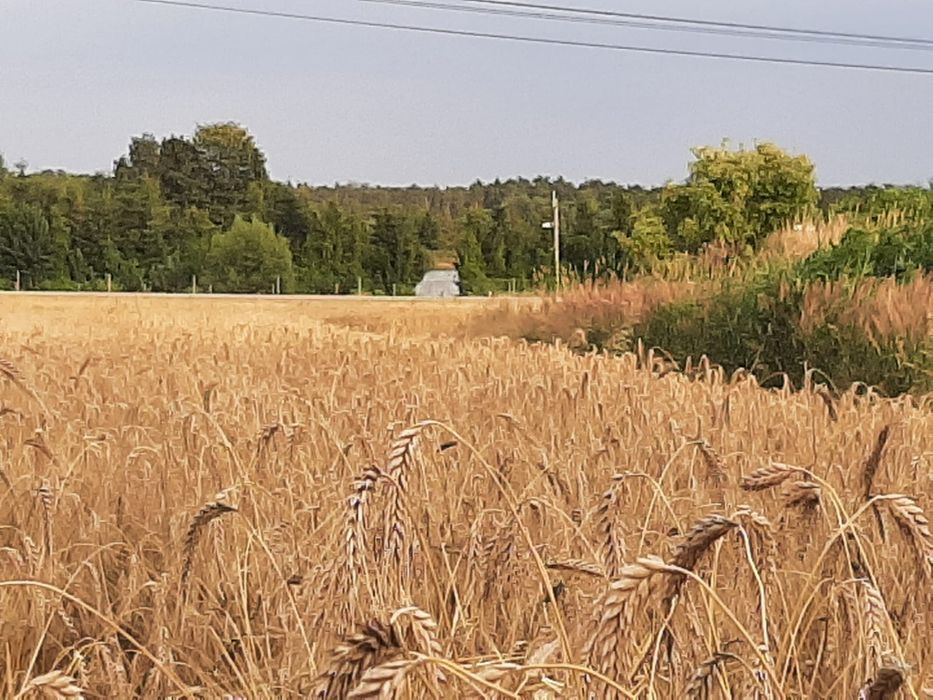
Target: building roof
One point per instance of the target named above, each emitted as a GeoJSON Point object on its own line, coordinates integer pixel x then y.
{"type": "Point", "coordinates": [439, 283]}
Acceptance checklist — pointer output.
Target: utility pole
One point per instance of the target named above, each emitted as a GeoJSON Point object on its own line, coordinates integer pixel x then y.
{"type": "Point", "coordinates": [554, 224]}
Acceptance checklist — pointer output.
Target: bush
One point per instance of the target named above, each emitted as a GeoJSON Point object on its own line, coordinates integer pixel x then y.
{"type": "Point", "coordinates": [248, 258]}
{"type": "Point", "coordinates": [864, 330]}
{"type": "Point", "coordinates": [882, 205]}
{"type": "Point", "coordinates": [889, 252]}
{"type": "Point", "coordinates": [750, 323]}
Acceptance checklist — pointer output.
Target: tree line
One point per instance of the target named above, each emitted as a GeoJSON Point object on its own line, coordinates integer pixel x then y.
{"type": "Point", "coordinates": [205, 206]}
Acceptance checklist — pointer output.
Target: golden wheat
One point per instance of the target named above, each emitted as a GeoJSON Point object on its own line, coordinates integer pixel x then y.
{"type": "Point", "coordinates": [536, 524]}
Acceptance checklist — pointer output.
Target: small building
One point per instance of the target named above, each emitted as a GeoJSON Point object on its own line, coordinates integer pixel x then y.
{"type": "Point", "coordinates": [439, 283]}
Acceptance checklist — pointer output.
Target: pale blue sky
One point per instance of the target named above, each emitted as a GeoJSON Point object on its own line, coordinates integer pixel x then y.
{"type": "Point", "coordinates": [78, 78]}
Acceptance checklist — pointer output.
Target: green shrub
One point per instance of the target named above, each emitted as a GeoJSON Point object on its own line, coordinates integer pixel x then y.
{"type": "Point", "coordinates": [761, 324]}
{"type": "Point", "coordinates": [750, 323]}
{"type": "Point", "coordinates": [248, 257]}
{"type": "Point", "coordinates": [887, 252]}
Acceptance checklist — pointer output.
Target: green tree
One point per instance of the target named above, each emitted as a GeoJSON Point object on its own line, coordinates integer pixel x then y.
{"type": "Point", "coordinates": [738, 196]}
{"type": "Point", "coordinates": [233, 163]}
{"type": "Point", "coordinates": [185, 235]}
{"type": "Point", "coordinates": [184, 174]}
{"type": "Point", "coordinates": [334, 251]}
{"type": "Point", "coordinates": [29, 244]}
{"type": "Point", "coordinates": [395, 256]}
{"type": "Point", "coordinates": [143, 159]}
{"type": "Point", "coordinates": [471, 264]}
{"type": "Point", "coordinates": [648, 241]}
{"type": "Point", "coordinates": [281, 207]}
{"type": "Point", "coordinates": [248, 257]}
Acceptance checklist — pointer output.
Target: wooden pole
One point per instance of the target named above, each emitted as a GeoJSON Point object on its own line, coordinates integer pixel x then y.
{"type": "Point", "coordinates": [555, 205]}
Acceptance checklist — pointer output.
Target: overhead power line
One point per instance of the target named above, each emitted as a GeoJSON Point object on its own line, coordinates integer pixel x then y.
{"type": "Point", "coordinates": [556, 13]}
{"type": "Point", "coordinates": [704, 22]}
{"type": "Point", "coordinates": [526, 39]}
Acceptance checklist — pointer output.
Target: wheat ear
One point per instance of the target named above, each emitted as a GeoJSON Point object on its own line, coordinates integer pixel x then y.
{"type": "Point", "coordinates": [577, 566]}
{"type": "Point", "coordinates": [605, 648]}
{"type": "Point", "coordinates": [374, 643]}
{"type": "Point", "coordinates": [769, 476]}
{"type": "Point", "coordinates": [208, 512]}
{"type": "Point", "coordinates": [884, 685]}
{"type": "Point", "coordinates": [400, 462]}
{"type": "Point", "coordinates": [915, 527]}
{"type": "Point", "coordinates": [871, 465]}
{"type": "Point", "coordinates": [803, 494]}
{"type": "Point", "coordinates": [613, 546]}
{"type": "Point", "coordinates": [703, 535]}
{"type": "Point", "coordinates": [383, 681]}
{"type": "Point", "coordinates": [699, 684]}
{"type": "Point", "coordinates": [55, 684]}
{"type": "Point", "coordinates": [356, 520]}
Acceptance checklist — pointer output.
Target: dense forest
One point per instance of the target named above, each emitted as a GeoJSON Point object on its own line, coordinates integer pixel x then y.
{"type": "Point", "coordinates": [205, 206]}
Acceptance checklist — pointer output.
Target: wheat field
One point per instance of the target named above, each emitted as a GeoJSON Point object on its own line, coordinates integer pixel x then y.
{"type": "Point", "coordinates": [275, 499]}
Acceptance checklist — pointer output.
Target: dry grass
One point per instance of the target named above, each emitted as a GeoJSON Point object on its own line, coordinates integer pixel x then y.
{"type": "Point", "coordinates": [880, 308]}
{"type": "Point", "coordinates": [254, 499]}
{"type": "Point", "coordinates": [613, 306]}
{"type": "Point", "coordinates": [797, 241]}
